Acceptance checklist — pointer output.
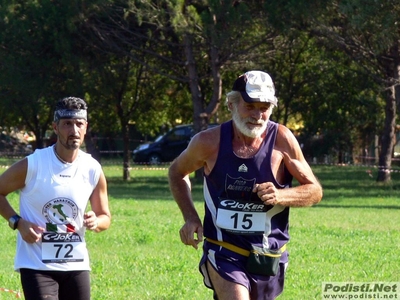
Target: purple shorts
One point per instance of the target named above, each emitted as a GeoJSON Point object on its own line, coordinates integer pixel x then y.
{"type": "Point", "coordinates": [232, 267]}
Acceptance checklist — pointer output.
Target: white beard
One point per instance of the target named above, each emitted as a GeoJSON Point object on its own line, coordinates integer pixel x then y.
{"type": "Point", "coordinates": [244, 129]}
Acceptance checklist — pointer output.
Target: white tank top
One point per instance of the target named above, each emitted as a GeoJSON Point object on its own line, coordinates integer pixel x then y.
{"type": "Point", "coordinates": [55, 197]}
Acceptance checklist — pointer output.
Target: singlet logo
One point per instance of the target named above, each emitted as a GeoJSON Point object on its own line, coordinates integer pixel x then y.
{"type": "Point", "coordinates": [242, 168]}
{"type": "Point", "coordinates": [60, 211]}
{"type": "Point", "coordinates": [238, 187]}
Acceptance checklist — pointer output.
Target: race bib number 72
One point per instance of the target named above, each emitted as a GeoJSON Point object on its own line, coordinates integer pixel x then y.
{"type": "Point", "coordinates": [62, 247]}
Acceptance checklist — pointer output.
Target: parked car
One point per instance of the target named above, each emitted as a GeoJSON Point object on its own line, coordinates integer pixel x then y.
{"type": "Point", "coordinates": [166, 147]}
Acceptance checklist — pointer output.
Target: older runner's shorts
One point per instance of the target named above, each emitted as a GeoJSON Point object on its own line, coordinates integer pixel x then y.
{"type": "Point", "coordinates": [232, 267]}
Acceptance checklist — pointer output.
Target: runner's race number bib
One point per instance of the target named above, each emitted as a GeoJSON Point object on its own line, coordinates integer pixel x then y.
{"type": "Point", "coordinates": [241, 217]}
{"type": "Point", "coordinates": [62, 247]}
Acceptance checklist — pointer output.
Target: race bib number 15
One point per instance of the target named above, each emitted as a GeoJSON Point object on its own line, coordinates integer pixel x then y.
{"type": "Point", "coordinates": [62, 247]}
{"type": "Point", "coordinates": [241, 217]}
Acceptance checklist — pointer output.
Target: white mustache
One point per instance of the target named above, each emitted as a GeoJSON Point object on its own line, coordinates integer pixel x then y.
{"type": "Point", "coordinates": [253, 121]}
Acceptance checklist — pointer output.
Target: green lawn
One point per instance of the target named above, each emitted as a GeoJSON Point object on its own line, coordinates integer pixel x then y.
{"type": "Point", "coordinates": [351, 236]}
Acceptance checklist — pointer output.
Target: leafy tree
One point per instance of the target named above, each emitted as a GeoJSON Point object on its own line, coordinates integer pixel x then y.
{"type": "Point", "coordinates": [335, 64]}
{"type": "Point", "coordinates": [190, 42]}
{"type": "Point", "coordinates": [127, 92]}
{"type": "Point", "coordinates": [123, 92]}
{"type": "Point", "coordinates": [38, 65]}
{"type": "Point", "coordinates": [194, 41]}
{"type": "Point", "coordinates": [366, 31]}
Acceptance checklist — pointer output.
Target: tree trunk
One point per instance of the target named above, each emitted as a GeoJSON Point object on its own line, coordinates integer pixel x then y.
{"type": "Point", "coordinates": [39, 141]}
{"type": "Point", "coordinates": [388, 137]}
{"type": "Point", "coordinates": [201, 111]}
{"type": "Point", "coordinates": [126, 154]}
{"type": "Point", "coordinates": [199, 117]}
{"type": "Point", "coordinates": [91, 147]}
{"type": "Point", "coordinates": [389, 133]}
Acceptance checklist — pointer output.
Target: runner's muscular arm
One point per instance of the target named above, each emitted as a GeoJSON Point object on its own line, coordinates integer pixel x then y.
{"type": "Point", "coordinates": [99, 218]}
{"type": "Point", "coordinates": [195, 156]}
{"type": "Point", "coordinates": [12, 180]}
{"type": "Point", "coordinates": [309, 191]}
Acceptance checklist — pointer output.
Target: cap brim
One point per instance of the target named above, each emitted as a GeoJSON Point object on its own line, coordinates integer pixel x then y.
{"type": "Point", "coordinates": [248, 99]}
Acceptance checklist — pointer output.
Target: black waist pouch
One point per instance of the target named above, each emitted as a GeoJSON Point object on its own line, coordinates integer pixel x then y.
{"type": "Point", "coordinates": [263, 261]}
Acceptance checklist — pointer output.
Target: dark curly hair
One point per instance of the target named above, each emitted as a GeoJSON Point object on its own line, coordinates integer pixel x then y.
{"type": "Point", "coordinates": [71, 103]}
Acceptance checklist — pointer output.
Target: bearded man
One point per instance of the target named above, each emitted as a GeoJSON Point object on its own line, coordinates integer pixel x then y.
{"type": "Point", "coordinates": [249, 163]}
{"type": "Point", "coordinates": [55, 185]}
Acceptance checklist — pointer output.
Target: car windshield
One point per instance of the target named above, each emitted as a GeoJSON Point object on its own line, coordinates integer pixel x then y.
{"type": "Point", "coordinates": [159, 138]}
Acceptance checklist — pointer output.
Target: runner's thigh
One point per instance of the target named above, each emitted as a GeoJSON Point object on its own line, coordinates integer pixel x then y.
{"type": "Point", "coordinates": [76, 286]}
{"type": "Point", "coordinates": [38, 285]}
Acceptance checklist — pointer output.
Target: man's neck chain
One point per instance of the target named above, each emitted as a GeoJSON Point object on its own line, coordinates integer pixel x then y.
{"type": "Point", "coordinates": [59, 158]}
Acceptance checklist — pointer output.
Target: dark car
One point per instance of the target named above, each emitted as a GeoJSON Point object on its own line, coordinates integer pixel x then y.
{"type": "Point", "coordinates": [166, 147]}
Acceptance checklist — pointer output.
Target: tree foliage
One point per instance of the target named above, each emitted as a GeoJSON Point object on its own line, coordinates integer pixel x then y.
{"type": "Point", "coordinates": [153, 63]}
{"type": "Point", "coordinates": [35, 59]}
{"type": "Point", "coordinates": [368, 33]}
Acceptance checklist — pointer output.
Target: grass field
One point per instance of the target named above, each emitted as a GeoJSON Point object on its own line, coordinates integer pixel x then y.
{"type": "Point", "coordinates": [351, 236]}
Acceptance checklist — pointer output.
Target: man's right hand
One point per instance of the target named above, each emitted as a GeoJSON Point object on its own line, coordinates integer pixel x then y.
{"type": "Point", "coordinates": [30, 232]}
{"type": "Point", "coordinates": [188, 232]}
